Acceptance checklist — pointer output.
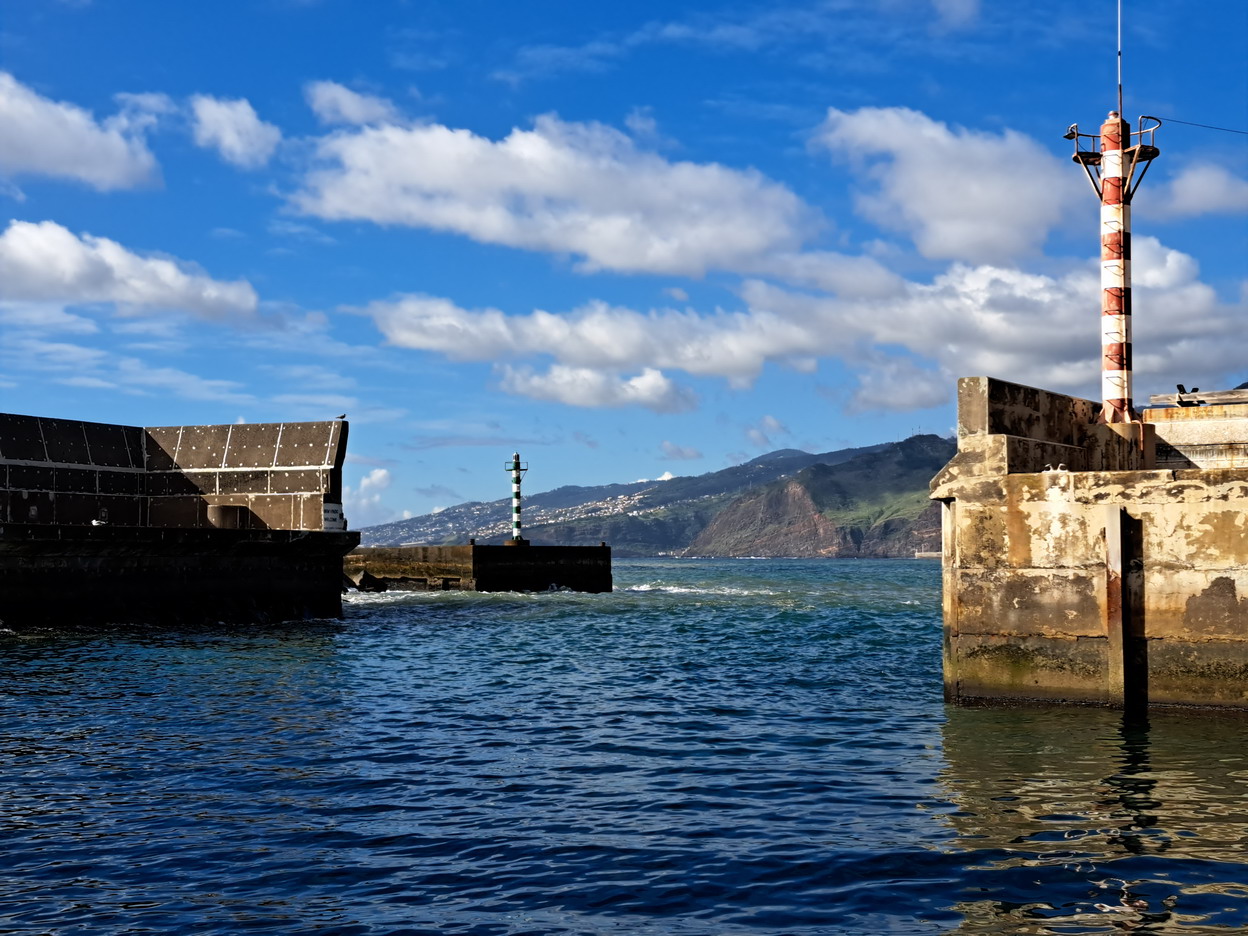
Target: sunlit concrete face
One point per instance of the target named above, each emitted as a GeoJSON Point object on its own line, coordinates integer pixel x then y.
{"type": "Point", "coordinates": [1094, 563]}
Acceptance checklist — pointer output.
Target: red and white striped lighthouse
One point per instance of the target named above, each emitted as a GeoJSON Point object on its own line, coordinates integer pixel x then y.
{"type": "Point", "coordinates": [1115, 274]}
{"type": "Point", "coordinates": [1115, 172]}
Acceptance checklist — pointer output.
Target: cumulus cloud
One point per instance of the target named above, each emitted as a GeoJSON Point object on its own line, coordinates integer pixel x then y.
{"type": "Point", "coordinates": [900, 383]}
{"type": "Point", "coordinates": [571, 188]}
{"type": "Point", "coordinates": [674, 452]}
{"type": "Point", "coordinates": [362, 504]}
{"type": "Point", "coordinates": [597, 335]}
{"type": "Point", "coordinates": [44, 262]}
{"type": "Point", "coordinates": [1035, 329]}
{"type": "Point", "coordinates": [1202, 189]}
{"type": "Point", "coordinates": [234, 130]}
{"type": "Point", "coordinates": [39, 136]}
{"type": "Point", "coordinates": [581, 386]}
{"type": "Point", "coordinates": [955, 192]}
{"type": "Point", "coordinates": [335, 104]}
{"type": "Point", "coordinates": [906, 347]}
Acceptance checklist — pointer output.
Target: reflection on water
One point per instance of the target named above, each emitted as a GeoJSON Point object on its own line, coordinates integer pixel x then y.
{"type": "Point", "coordinates": [1086, 822]}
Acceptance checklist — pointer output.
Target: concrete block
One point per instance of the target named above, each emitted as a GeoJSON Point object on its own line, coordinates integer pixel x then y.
{"type": "Point", "coordinates": [1039, 668]}
{"type": "Point", "coordinates": [1049, 602]}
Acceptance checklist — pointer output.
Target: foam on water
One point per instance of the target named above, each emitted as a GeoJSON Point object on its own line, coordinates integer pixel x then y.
{"type": "Point", "coordinates": [714, 748]}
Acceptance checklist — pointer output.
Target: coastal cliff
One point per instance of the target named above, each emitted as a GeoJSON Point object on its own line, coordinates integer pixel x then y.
{"type": "Point", "coordinates": [861, 502]}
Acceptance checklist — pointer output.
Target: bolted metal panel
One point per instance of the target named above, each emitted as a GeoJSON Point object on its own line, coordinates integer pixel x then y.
{"type": "Point", "coordinates": [173, 483]}
{"type": "Point", "coordinates": [76, 509]}
{"type": "Point", "coordinates": [65, 441]}
{"type": "Point", "coordinates": [32, 507]}
{"type": "Point", "coordinates": [21, 438]}
{"type": "Point", "coordinates": [30, 478]}
{"type": "Point", "coordinates": [298, 482]}
{"type": "Point", "coordinates": [177, 512]}
{"type": "Point", "coordinates": [243, 482]}
{"type": "Point", "coordinates": [121, 482]}
{"type": "Point", "coordinates": [306, 444]}
{"type": "Point", "coordinates": [274, 512]}
{"type": "Point", "coordinates": [161, 447]}
{"type": "Point", "coordinates": [121, 511]}
{"type": "Point", "coordinates": [312, 512]}
{"type": "Point", "coordinates": [202, 446]}
{"type": "Point", "coordinates": [76, 480]}
{"type": "Point", "coordinates": [252, 445]}
{"type": "Point", "coordinates": [109, 446]}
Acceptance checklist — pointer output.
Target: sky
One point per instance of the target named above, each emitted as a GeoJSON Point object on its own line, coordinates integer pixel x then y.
{"type": "Point", "coordinates": [627, 240]}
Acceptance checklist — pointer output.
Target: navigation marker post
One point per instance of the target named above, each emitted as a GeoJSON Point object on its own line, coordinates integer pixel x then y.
{"type": "Point", "coordinates": [517, 469]}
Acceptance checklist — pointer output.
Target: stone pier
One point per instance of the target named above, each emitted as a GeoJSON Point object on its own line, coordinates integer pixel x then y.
{"type": "Point", "coordinates": [1091, 563]}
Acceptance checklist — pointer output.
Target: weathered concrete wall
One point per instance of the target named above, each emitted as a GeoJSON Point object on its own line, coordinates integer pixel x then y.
{"type": "Point", "coordinates": [283, 476]}
{"type": "Point", "coordinates": [1089, 585]}
{"type": "Point", "coordinates": [234, 523]}
{"type": "Point", "coordinates": [74, 575]}
{"type": "Point", "coordinates": [484, 568]}
{"type": "Point", "coordinates": [414, 567]}
{"type": "Point", "coordinates": [1200, 436]}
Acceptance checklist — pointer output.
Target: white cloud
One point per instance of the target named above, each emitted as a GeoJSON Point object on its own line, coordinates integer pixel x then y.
{"type": "Point", "coordinates": [579, 386]}
{"type": "Point", "coordinates": [335, 104]}
{"type": "Point", "coordinates": [957, 12]}
{"type": "Point", "coordinates": [907, 348]}
{"type": "Point", "coordinates": [138, 376]}
{"type": "Point", "coordinates": [363, 504]}
{"type": "Point", "coordinates": [765, 431]}
{"type": "Point", "coordinates": [44, 262]}
{"type": "Point", "coordinates": [234, 130]}
{"type": "Point", "coordinates": [898, 383]}
{"type": "Point", "coordinates": [39, 136]}
{"type": "Point", "coordinates": [1202, 189]}
{"type": "Point", "coordinates": [44, 318]}
{"type": "Point", "coordinates": [959, 194]}
{"type": "Point", "coordinates": [579, 189]}
{"type": "Point", "coordinates": [732, 345]}
{"type": "Point", "coordinates": [1033, 329]}
{"type": "Point", "coordinates": [674, 452]}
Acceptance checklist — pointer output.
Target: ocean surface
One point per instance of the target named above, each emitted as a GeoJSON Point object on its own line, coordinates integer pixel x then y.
{"type": "Point", "coordinates": [717, 747]}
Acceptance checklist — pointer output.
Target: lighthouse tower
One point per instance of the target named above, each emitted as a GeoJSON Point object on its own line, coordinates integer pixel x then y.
{"type": "Point", "coordinates": [1115, 164]}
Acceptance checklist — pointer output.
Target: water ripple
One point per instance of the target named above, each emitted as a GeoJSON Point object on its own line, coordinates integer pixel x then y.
{"type": "Point", "coordinates": [715, 748]}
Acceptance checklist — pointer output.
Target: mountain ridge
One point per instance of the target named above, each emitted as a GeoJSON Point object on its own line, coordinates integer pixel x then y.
{"type": "Point", "coordinates": [706, 514]}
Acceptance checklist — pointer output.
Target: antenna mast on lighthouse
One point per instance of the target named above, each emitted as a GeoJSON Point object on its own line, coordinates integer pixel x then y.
{"type": "Point", "coordinates": [1115, 168]}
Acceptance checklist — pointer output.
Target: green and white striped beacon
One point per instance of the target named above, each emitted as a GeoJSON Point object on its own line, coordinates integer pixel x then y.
{"type": "Point", "coordinates": [517, 469]}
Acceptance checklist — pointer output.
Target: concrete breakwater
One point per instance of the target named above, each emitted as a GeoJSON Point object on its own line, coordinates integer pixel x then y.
{"type": "Point", "coordinates": [102, 522]}
{"type": "Point", "coordinates": [472, 567]}
{"type": "Point", "coordinates": [1094, 563]}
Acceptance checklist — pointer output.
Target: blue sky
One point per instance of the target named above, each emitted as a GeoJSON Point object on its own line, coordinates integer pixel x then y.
{"type": "Point", "coordinates": [626, 239]}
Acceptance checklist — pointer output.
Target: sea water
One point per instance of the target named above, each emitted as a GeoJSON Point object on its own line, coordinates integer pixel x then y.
{"type": "Point", "coordinates": [716, 747]}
